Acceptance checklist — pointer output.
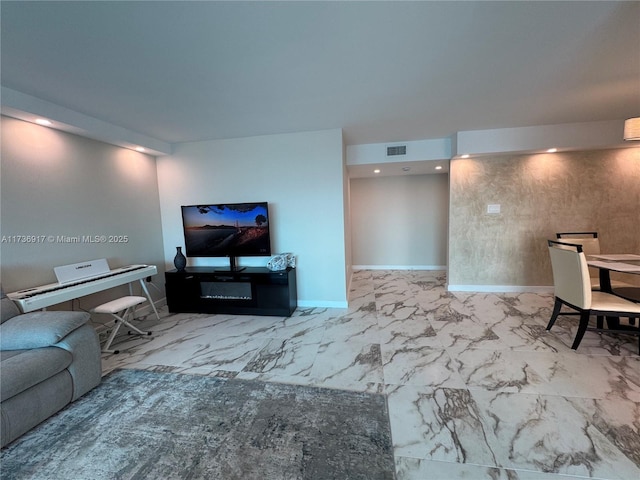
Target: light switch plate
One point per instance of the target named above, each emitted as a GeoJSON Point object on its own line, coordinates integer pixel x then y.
{"type": "Point", "coordinates": [493, 208]}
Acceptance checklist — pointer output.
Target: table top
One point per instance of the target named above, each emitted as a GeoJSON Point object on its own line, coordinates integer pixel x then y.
{"type": "Point", "coordinates": [617, 257]}
{"type": "Point", "coordinates": [620, 262]}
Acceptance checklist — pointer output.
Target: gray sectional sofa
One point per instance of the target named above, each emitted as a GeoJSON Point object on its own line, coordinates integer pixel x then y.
{"type": "Point", "coordinates": [47, 360]}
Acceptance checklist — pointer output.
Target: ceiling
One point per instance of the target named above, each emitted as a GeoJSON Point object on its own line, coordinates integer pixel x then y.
{"type": "Point", "coordinates": [381, 71]}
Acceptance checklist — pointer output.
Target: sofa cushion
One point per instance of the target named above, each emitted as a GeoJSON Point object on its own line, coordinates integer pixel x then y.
{"type": "Point", "coordinates": [39, 329]}
{"type": "Point", "coordinates": [8, 309]}
{"type": "Point", "coordinates": [22, 369]}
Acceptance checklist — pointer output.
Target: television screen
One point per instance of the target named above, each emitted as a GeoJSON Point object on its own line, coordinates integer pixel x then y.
{"type": "Point", "coordinates": [226, 230]}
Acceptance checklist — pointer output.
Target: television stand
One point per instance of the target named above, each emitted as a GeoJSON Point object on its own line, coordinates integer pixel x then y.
{"type": "Point", "coordinates": [233, 265]}
{"type": "Point", "coordinates": [250, 291]}
{"type": "Point", "coordinates": [226, 270]}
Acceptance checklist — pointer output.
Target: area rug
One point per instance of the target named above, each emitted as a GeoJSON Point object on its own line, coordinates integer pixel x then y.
{"type": "Point", "coordinates": [138, 425]}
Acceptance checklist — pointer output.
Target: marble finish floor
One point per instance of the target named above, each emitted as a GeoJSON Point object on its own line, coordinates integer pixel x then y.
{"type": "Point", "coordinates": [476, 387]}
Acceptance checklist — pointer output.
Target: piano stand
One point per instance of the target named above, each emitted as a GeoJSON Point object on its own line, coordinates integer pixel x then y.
{"type": "Point", "coordinates": [146, 292]}
{"type": "Point", "coordinates": [121, 309]}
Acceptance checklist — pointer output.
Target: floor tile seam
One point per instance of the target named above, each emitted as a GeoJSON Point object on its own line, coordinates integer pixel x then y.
{"type": "Point", "coordinates": [289, 340]}
{"type": "Point", "coordinates": [392, 388]}
{"type": "Point", "coordinates": [349, 341]}
{"type": "Point", "coordinates": [478, 389]}
{"type": "Point", "coordinates": [314, 382]}
{"type": "Point", "coordinates": [455, 352]}
{"type": "Point", "coordinates": [393, 347]}
{"type": "Point", "coordinates": [247, 336]}
{"type": "Point", "coordinates": [266, 377]}
{"type": "Point", "coordinates": [475, 388]}
{"type": "Point", "coordinates": [185, 370]}
{"type": "Point", "coordinates": [377, 384]}
{"type": "Point", "coordinates": [482, 465]}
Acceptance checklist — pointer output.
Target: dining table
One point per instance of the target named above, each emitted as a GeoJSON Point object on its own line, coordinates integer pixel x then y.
{"type": "Point", "coordinates": [628, 263]}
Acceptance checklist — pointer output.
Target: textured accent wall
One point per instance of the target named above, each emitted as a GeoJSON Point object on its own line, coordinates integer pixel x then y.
{"type": "Point", "coordinates": [539, 195]}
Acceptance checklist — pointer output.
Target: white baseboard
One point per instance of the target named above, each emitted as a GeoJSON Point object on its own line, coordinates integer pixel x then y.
{"type": "Point", "coordinates": [147, 310]}
{"type": "Point", "coordinates": [321, 304]}
{"type": "Point", "coordinates": [499, 288]}
{"type": "Point", "coordinates": [399, 267]}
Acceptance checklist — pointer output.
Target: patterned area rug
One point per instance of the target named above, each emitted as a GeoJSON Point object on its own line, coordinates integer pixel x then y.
{"type": "Point", "coordinates": [139, 424]}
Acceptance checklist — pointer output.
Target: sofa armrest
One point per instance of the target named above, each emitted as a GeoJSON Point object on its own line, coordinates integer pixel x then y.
{"type": "Point", "coordinates": [86, 366]}
{"type": "Point", "coordinates": [39, 329]}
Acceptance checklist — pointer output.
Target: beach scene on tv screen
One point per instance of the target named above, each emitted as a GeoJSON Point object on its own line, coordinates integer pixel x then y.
{"type": "Point", "coordinates": [223, 230]}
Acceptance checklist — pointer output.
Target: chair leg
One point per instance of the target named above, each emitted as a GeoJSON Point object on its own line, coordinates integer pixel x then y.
{"type": "Point", "coordinates": [584, 323]}
{"type": "Point", "coordinates": [556, 311]}
{"type": "Point", "coordinates": [600, 322]}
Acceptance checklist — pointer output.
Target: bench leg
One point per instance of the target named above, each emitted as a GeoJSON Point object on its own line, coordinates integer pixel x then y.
{"type": "Point", "coordinates": [121, 320]}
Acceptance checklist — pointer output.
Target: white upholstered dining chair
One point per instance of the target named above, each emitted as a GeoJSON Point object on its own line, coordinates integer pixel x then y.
{"type": "Point", "coordinates": [573, 289]}
{"type": "Point", "coordinates": [590, 246]}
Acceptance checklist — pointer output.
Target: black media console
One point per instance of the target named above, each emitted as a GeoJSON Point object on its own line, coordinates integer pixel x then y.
{"type": "Point", "coordinates": [250, 291]}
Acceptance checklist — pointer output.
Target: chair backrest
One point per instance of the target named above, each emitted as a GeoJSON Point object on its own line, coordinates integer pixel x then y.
{"type": "Point", "coordinates": [577, 234]}
{"type": "Point", "coordinates": [570, 273]}
{"type": "Point", "coordinates": [589, 242]}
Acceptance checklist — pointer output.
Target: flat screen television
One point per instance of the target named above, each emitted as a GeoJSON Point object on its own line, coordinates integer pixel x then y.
{"type": "Point", "coordinates": [227, 230]}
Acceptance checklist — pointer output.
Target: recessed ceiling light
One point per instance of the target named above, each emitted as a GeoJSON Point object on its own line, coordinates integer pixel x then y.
{"type": "Point", "coordinates": [140, 149]}
{"type": "Point", "coordinates": [377, 170]}
{"type": "Point", "coordinates": [439, 167]}
{"type": "Point", "coordinates": [466, 155]}
{"type": "Point", "coordinates": [552, 150]}
{"type": "Point", "coordinates": [43, 121]}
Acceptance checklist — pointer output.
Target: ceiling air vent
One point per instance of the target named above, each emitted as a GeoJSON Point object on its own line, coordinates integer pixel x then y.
{"type": "Point", "coordinates": [397, 150]}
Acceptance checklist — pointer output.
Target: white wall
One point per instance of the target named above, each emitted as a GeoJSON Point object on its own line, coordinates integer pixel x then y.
{"type": "Point", "coordinates": [347, 225]}
{"type": "Point", "coordinates": [61, 185]}
{"type": "Point", "coordinates": [574, 136]}
{"type": "Point", "coordinates": [400, 221]}
{"type": "Point", "coordinates": [299, 174]}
